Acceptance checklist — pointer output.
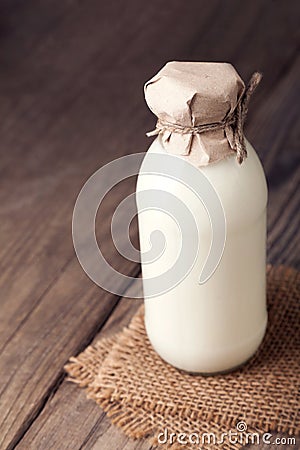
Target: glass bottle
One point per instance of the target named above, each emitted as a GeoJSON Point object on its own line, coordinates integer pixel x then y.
{"type": "Point", "coordinates": [214, 324]}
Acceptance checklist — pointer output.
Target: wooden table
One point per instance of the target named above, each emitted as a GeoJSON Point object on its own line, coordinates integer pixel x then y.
{"type": "Point", "coordinates": [71, 77]}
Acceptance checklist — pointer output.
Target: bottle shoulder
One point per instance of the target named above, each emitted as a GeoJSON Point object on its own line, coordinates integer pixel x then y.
{"type": "Point", "coordinates": [242, 189]}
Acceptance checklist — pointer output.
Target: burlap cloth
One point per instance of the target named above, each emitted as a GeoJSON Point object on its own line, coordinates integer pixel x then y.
{"type": "Point", "coordinates": [143, 395]}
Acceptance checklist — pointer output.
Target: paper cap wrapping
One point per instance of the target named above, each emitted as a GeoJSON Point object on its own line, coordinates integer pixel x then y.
{"type": "Point", "coordinates": [198, 105]}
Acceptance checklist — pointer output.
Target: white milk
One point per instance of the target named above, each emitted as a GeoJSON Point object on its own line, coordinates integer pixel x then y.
{"type": "Point", "coordinates": [215, 326]}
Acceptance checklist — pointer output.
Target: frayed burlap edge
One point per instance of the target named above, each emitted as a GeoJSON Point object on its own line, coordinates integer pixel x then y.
{"type": "Point", "coordinates": [94, 370]}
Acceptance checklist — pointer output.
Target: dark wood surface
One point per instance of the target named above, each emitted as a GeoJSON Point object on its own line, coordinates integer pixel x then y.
{"type": "Point", "coordinates": [71, 100]}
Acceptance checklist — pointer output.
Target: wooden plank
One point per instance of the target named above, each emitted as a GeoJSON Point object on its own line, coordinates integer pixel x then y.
{"type": "Point", "coordinates": [283, 232]}
{"type": "Point", "coordinates": [74, 418]}
{"type": "Point", "coordinates": [275, 139]}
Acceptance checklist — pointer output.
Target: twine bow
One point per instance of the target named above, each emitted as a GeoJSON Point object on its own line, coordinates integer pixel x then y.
{"type": "Point", "coordinates": [235, 120]}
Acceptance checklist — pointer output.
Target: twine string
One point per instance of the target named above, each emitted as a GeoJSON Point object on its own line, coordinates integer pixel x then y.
{"type": "Point", "coordinates": [235, 120]}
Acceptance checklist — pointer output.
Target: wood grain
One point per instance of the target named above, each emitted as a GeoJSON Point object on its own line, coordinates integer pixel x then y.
{"type": "Point", "coordinates": [68, 416]}
{"type": "Point", "coordinates": [70, 101]}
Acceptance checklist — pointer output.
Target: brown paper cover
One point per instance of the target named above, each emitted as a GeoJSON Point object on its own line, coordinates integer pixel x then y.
{"type": "Point", "coordinates": [191, 94]}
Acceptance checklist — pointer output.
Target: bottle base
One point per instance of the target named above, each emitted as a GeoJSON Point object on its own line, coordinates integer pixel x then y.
{"type": "Point", "coordinates": [224, 362]}
{"type": "Point", "coordinates": [221, 372]}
